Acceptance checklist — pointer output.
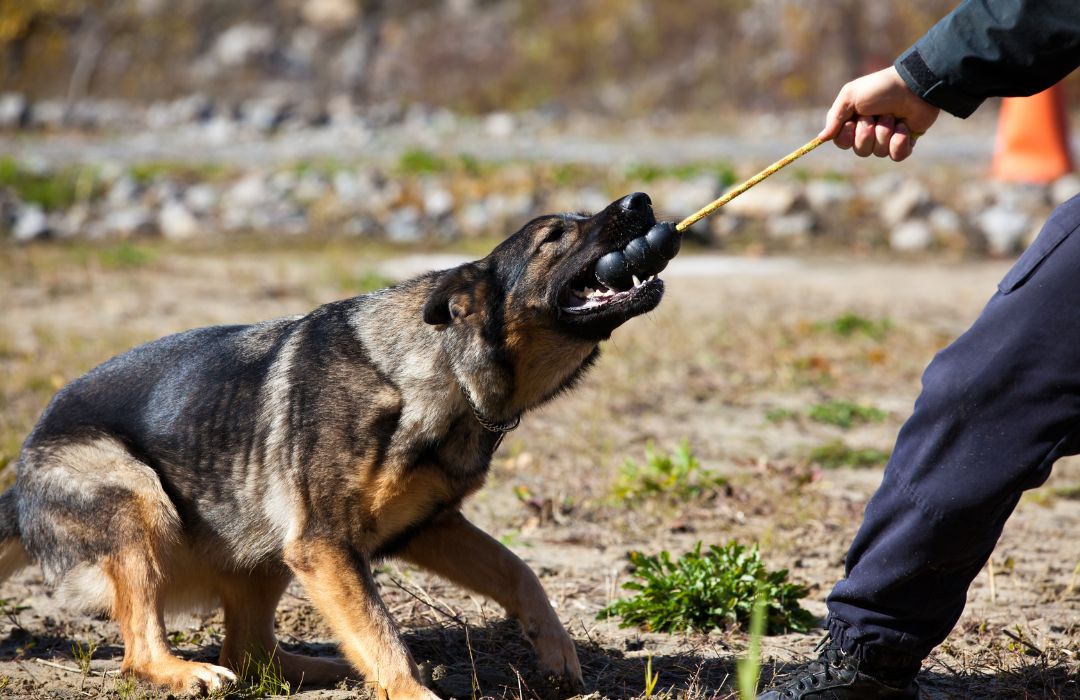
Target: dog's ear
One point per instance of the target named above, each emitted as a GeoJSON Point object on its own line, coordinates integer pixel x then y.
{"type": "Point", "coordinates": [454, 295]}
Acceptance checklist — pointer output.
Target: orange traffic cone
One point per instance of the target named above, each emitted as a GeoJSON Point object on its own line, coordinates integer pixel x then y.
{"type": "Point", "coordinates": [1032, 138]}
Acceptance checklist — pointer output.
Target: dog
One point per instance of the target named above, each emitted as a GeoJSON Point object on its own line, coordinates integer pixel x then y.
{"type": "Point", "coordinates": [214, 466]}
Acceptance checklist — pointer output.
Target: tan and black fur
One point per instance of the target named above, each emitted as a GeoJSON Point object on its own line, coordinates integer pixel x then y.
{"type": "Point", "coordinates": [215, 465]}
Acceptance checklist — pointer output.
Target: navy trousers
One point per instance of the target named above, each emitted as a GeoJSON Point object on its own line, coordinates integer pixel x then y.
{"type": "Point", "coordinates": [999, 406]}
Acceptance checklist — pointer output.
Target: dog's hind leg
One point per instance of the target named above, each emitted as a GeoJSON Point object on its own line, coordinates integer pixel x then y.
{"type": "Point", "coordinates": [138, 607]}
{"type": "Point", "coordinates": [249, 636]}
{"type": "Point", "coordinates": [456, 549]}
{"type": "Point", "coordinates": [340, 584]}
{"type": "Point", "coordinates": [89, 507]}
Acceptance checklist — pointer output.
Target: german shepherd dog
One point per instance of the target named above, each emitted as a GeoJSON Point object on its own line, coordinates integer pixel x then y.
{"type": "Point", "coordinates": [211, 467]}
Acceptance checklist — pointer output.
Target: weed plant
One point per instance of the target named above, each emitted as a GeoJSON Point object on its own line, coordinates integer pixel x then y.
{"type": "Point", "coordinates": [845, 414]}
{"type": "Point", "coordinates": [678, 476]}
{"type": "Point", "coordinates": [851, 324]}
{"type": "Point", "coordinates": [836, 454]}
{"type": "Point", "coordinates": [711, 590]}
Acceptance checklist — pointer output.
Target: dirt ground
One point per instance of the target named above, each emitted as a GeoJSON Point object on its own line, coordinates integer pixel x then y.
{"type": "Point", "coordinates": [731, 362]}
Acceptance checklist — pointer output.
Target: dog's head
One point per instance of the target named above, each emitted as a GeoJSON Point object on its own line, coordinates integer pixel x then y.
{"type": "Point", "coordinates": [522, 323]}
{"type": "Point", "coordinates": [546, 274]}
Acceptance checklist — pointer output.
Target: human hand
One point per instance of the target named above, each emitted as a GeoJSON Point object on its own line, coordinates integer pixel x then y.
{"type": "Point", "coordinates": [878, 114]}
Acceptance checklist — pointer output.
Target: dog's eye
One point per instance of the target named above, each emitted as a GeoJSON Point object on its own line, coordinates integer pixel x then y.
{"type": "Point", "coordinates": [553, 235]}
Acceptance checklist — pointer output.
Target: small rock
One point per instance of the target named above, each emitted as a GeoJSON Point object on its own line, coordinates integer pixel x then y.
{"type": "Point", "coordinates": [201, 198]}
{"type": "Point", "coordinates": [1064, 189]}
{"type": "Point", "coordinates": [766, 200]}
{"type": "Point", "coordinates": [264, 116]}
{"type": "Point", "coordinates": [790, 226]}
{"type": "Point", "coordinates": [945, 222]}
{"type": "Point", "coordinates": [124, 191]}
{"type": "Point", "coordinates": [516, 206]}
{"type": "Point", "coordinates": [721, 227]}
{"type": "Point", "coordinates": [438, 201]}
{"type": "Point", "coordinates": [176, 222]}
{"type": "Point", "coordinates": [500, 125]}
{"type": "Point", "coordinates": [30, 224]}
{"type": "Point", "coordinates": [248, 193]}
{"type": "Point", "coordinates": [14, 111]}
{"type": "Point", "coordinates": [475, 218]}
{"type": "Point", "coordinates": [242, 42]}
{"type": "Point", "coordinates": [219, 129]}
{"type": "Point", "coordinates": [346, 186]}
{"type": "Point", "coordinates": [129, 221]}
{"type": "Point", "coordinates": [1004, 228]}
{"type": "Point", "coordinates": [685, 196]}
{"type": "Point", "coordinates": [404, 226]}
{"type": "Point", "coordinates": [824, 196]}
{"type": "Point", "coordinates": [909, 199]}
{"type": "Point", "coordinates": [47, 114]}
{"type": "Point", "coordinates": [911, 236]}
{"type": "Point", "coordinates": [1024, 196]}
{"type": "Point", "coordinates": [881, 187]}
{"type": "Point", "coordinates": [974, 196]}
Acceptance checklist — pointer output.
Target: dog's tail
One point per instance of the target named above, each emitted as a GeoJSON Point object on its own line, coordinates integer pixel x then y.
{"type": "Point", "coordinates": [12, 555]}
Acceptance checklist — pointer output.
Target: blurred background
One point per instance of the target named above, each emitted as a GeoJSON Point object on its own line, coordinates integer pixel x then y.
{"type": "Point", "coordinates": [416, 120]}
{"type": "Point", "coordinates": [167, 164]}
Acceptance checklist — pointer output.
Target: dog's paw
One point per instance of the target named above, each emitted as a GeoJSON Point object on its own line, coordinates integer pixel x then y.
{"type": "Point", "coordinates": [559, 663]}
{"type": "Point", "coordinates": [406, 692]}
{"type": "Point", "coordinates": [564, 686]}
{"type": "Point", "coordinates": [188, 677]}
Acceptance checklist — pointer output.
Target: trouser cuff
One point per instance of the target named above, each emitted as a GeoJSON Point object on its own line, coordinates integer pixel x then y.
{"type": "Point", "coordinates": [886, 664]}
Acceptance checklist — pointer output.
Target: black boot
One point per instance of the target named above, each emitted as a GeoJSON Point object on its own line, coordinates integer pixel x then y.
{"type": "Point", "coordinates": [836, 675]}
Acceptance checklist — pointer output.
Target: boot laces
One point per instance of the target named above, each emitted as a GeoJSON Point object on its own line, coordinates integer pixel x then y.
{"type": "Point", "coordinates": [825, 668]}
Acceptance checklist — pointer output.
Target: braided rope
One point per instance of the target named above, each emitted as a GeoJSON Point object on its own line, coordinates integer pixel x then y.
{"type": "Point", "coordinates": [733, 193]}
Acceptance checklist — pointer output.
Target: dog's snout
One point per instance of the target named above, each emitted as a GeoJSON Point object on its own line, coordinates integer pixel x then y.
{"type": "Point", "coordinates": [638, 201]}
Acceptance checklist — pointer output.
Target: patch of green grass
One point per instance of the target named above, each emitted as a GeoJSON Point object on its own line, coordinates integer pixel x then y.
{"type": "Point", "coordinates": [648, 173]}
{"type": "Point", "coordinates": [474, 167]}
{"type": "Point", "coordinates": [845, 414]}
{"type": "Point", "coordinates": [837, 453]}
{"type": "Point", "coordinates": [780, 415]}
{"type": "Point", "coordinates": [850, 324]}
{"type": "Point", "coordinates": [50, 190]}
{"type": "Point", "coordinates": [264, 678]}
{"type": "Point", "coordinates": [83, 655]}
{"type": "Point", "coordinates": [678, 476]}
{"type": "Point", "coordinates": [711, 590]}
{"type": "Point", "coordinates": [417, 161]}
{"type": "Point", "coordinates": [569, 174]}
{"type": "Point", "coordinates": [125, 255]}
{"type": "Point", "coordinates": [1069, 493]}
{"type": "Point", "coordinates": [128, 688]}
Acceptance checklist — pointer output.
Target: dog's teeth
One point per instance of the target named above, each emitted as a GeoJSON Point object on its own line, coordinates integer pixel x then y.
{"type": "Point", "coordinates": [637, 282]}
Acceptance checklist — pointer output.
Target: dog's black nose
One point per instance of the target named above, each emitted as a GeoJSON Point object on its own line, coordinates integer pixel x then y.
{"type": "Point", "coordinates": [638, 201]}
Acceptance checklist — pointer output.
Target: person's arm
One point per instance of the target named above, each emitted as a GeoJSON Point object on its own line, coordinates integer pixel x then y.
{"type": "Point", "coordinates": [981, 49]}
{"type": "Point", "coordinates": [991, 48]}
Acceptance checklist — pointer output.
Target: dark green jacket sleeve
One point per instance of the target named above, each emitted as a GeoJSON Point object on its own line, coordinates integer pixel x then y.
{"type": "Point", "coordinates": [989, 48]}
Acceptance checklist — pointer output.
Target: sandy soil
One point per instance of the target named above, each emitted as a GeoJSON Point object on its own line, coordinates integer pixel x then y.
{"type": "Point", "coordinates": [731, 343]}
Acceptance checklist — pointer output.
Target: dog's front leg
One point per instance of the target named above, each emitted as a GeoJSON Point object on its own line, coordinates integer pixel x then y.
{"type": "Point", "coordinates": [456, 549]}
{"type": "Point", "coordinates": [338, 580]}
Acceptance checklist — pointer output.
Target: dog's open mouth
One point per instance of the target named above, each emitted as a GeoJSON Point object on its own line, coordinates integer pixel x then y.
{"type": "Point", "coordinates": [585, 293]}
